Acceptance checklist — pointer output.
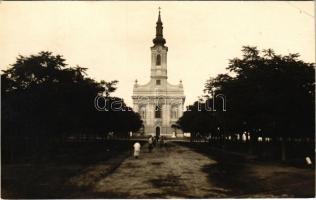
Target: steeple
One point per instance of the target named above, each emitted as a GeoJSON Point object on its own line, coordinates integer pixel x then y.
{"type": "Point", "coordinates": [159, 40]}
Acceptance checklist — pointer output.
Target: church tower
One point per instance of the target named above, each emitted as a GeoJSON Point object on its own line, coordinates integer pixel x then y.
{"type": "Point", "coordinates": [159, 54]}
{"type": "Point", "coordinates": [159, 103]}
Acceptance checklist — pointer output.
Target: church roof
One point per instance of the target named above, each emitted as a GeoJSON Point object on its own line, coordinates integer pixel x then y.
{"type": "Point", "coordinates": [151, 89]}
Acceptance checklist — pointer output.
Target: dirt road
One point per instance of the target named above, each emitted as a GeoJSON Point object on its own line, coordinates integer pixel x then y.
{"type": "Point", "coordinates": [165, 172]}
{"type": "Point", "coordinates": [179, 171]}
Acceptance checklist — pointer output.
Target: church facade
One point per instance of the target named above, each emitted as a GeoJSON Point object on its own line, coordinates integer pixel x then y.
{"type": "Point", "coordinates": [159, 103]}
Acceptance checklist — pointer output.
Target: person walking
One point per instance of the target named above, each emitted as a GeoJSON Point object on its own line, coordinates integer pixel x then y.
{"type": "Point", "coordinates": [154, 141]}
{"type": "Point", "coordinates": [162, 142]}
{"type": "Point", "coordinates": [136, 149]}
{"type": "Point", "coordinates": [150, 143]}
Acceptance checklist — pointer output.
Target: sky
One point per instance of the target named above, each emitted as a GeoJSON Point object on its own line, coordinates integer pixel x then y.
{"type": "Point", "coordinates": [113, 39]}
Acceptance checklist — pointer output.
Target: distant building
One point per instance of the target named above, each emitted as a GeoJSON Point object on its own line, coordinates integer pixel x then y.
{"type": "Point", "coordinates": [159, 103]}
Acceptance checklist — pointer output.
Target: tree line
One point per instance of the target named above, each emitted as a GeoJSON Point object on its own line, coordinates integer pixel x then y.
{"type": "Point", "coordinates": [266, 95]}
{"type": "Point", "coordinates": [45, 99]}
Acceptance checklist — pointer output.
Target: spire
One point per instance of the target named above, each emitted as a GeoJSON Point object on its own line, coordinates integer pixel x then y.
{"type": "Point", "coordinates": [159, 18]}
{"type": "Point", "coordinates": [159, 40]}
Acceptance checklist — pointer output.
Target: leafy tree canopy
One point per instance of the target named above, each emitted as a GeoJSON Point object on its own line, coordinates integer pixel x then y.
{"type": "Point", "coordinates": [267, 94]}
{"type": "Point", "coordinates": [41, 95]}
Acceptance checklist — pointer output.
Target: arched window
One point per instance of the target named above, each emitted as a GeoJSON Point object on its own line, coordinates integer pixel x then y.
{"type": "Point", "coordinates": [157, 112]}
{"type": "Point", "coordinates": [158, 60]}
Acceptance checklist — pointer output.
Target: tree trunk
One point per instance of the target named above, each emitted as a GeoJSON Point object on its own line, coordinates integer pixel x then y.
{"type": "Point", "coordinates": [283, 150]}
{"type": "Point", "coordinates": [250, 144]}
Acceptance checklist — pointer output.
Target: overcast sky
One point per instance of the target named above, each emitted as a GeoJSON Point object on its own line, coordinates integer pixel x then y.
{"type": "Point", "coordinates": [113, 39]}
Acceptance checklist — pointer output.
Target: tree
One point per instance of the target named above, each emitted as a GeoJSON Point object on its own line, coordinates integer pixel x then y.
{"type": "Point", "coordinates": [269, 92]}
{"type": "Point", "coordinates": [44, 99]}
{"type": "Point", "coordinates": [198, 121]}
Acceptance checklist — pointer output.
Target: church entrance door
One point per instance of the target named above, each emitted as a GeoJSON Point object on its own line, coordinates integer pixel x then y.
{"type": "Point", "coordinates": [157, 131]}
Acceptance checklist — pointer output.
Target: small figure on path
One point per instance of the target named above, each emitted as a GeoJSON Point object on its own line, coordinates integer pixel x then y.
{"type": "Point", "coordinates": [162, 141]}
{"type": "Point", "coordinates": [154, 141]}
{"type": "Point", "coordinates": [150, 143]}
{"type": "Point", "coordinates": [136, 149]}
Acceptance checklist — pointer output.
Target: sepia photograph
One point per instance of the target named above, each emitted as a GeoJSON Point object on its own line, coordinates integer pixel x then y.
{"type": "Point", "coordinates": [157, 99]}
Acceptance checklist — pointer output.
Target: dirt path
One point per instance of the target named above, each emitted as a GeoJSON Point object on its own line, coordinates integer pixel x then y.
{"type": "Point", "coordinates": [183, 170]}
{"type": "Point", "coordinates": [164, 173]}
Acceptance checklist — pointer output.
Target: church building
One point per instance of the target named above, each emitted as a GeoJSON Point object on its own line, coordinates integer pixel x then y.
{"type": "Point", "coordinates": [159, 103]}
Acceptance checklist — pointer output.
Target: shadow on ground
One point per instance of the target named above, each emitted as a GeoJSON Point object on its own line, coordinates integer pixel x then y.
{"type": "Point", "coordinates": [244, 177]}
{"type": "Point", "coordinates": [69, 172]}
{"type": "Point", "coordinates": [171, 185]}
